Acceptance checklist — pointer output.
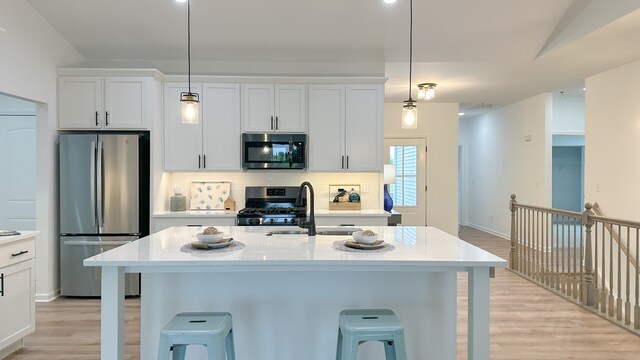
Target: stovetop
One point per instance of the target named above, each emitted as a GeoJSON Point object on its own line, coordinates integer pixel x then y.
{"type": "Point", "coordinates": [297, 211]}
{"type": "Point", "coordinates": [272, 205]}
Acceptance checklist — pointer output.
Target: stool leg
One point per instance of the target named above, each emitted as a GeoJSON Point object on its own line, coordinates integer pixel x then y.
{"type": "Point", "coordinates": [164, 347]}
{"type": "Point", "coordinates": [215, 349]}
{"type": "Point", "coordinates": [398, 342]}
{"type": "Point", "coordinates": [339, 345]}
{"type": "Point", "coordinates": [231, 350]}
{"type": "Point", "coordinates": [179, 351]}
{"type": "Point", "coordinates": [349, 347]}
{"type": "Point", "coordinates": [389, 350]}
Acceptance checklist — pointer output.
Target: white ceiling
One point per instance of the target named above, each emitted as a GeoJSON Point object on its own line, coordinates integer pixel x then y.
{"type": "Point", "coordinates": [492, 51]}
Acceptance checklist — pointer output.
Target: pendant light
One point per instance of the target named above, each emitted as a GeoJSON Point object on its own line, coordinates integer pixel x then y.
{"type": "Point", "coordinates": [427, 91]}
{"type": "Point", "coordinates": [189, 99]}
{"type": "Point", "coordinates": [409, 108]}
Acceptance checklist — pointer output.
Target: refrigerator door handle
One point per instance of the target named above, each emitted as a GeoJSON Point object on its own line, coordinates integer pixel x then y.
{"type": "Point", "coordinates": [92, 183]}
{"type": "Point", "coordinates": [100, 194]}
{"type": "Point", "coordinates": [96, 243]}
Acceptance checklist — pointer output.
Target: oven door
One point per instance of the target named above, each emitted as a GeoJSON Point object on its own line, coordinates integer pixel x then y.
{"type": "Point", "coordinates": [274, 151]}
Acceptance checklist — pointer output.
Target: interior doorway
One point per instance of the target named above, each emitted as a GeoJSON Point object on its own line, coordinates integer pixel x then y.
{"type": "Point", "coordinates": [409, 190]}
{"type": "Point", "coordinates": [18, 164]}
{"type": "Point", "coordinates": [568, 172]}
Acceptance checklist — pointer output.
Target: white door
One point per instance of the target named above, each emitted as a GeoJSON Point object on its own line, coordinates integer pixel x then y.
{"type": "Point", "coordinates": [257, 108]}
{"type": "Point", "coordinates": [364, 127]}
{"type": "Point", "coordinates": [409, 191]}
{"type": "Point", "coordinates": [80, 102]}
{"type": "Point", "coordinates": [290, 109]}
{"type": "Point", "coordinates": [182, 142]}
{"type": "Point", "coordinates": [221, 126]}
{"type": "Point", "coordinates": [326, 127]}
{"type": "Point", "coordinates": [125, 103]}
{"type": "Point", "coordinates": [18, 174]}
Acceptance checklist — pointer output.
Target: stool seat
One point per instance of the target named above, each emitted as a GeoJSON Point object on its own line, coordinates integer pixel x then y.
{"type": "Point", "coordinates": [360, 325]}
{"type": "Point", "coordinates": [211, 329]}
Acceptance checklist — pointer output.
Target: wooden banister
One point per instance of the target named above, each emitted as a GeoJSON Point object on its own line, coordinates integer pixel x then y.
{"type": "Point", "coordinates": [616, 237]}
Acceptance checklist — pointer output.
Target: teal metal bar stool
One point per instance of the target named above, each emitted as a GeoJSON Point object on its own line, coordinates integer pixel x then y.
{"type": "Point", "coordinates": [213, 330]}
{"type": "Point", "coordinates": [358, 326]}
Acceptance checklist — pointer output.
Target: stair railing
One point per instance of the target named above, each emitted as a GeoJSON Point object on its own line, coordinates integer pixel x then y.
{"type": "Point", "coordinates": [585, 257]}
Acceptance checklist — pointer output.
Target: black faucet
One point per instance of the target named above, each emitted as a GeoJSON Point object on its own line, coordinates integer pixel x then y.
{"type": "Point", "coordinates": [311, 224]}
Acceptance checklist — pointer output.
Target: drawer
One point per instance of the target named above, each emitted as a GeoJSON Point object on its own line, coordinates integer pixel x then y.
{"type": "Point", "coordinates": [16, 252]}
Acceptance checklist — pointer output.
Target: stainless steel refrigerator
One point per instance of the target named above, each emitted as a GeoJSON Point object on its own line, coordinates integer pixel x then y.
{"type": "Point", "coordinates": [104, 203]}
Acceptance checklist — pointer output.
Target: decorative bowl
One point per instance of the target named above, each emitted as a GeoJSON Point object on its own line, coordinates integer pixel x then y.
{"type": "Point", "coordinates": [364, 239]}
{"type": "Point", "coordinates": [210, 239]}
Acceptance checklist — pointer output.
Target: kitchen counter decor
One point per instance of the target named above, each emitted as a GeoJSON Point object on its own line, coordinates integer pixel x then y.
{"type": "Point", "coordinates": [352, 246]}
{"type": "Point", "coordinates": [234, 245]}
{"type": "Point", "coordinates": [209, 195]}
{"type": "Point", "coordinates": [344, 197]}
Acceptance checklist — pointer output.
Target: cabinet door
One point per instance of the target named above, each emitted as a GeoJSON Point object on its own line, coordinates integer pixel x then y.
{"type": "Point", "coordinates": [80, 102]}
{"type": "Point", "coordinates": [182, 142]}
{"type": "Point", "coordinates": [221, 126]}
{"type": "Point", "coordinates": [364, 127]}
{"type": "Point", "coordinates": [326, 127]}
{"type": "Point", "coordinates": [257, 108]}
{"type": "Point", "coordinates": [17, 302]}
{"type": "Point", "coordinates": [290, 108]}
{"type": "Point", "coordinates": [125, 103]}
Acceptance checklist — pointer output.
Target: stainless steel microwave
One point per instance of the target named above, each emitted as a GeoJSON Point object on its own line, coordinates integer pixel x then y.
{"type": "Point", "coordinates": [274, 151]}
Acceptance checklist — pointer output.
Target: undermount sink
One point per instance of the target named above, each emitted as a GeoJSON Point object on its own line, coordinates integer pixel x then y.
{"type": "Point", "coordinates": [336, 231]}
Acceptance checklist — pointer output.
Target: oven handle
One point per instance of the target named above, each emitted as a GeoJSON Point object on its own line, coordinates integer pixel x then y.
{"type": "Point", "coordinates": [290, 153]}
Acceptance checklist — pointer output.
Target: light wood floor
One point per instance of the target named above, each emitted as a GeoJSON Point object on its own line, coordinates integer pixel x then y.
{"type": "Point", "coordinates": [527, 323]}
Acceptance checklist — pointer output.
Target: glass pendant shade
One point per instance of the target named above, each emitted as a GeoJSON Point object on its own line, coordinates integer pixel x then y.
{"type": "Point", "coordinates": [409, 115]}
{"type": "Point", "coordinates": [427, 91]}
{"type": "Point", "coordinates": [189, 108]}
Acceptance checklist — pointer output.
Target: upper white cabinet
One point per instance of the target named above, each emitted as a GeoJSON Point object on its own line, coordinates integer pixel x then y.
{"type": "Point", "coordinates": [270, 108]}
{"type": "Point", "coordinates": [103, 103]}
{"type": "Point", "coordinates": [212, 144]}
{"type": "Point", "coordinates": [346, 127]}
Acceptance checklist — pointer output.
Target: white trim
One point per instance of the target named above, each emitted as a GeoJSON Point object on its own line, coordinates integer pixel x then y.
{"type": "Point", "coordinates": [490, 231]}
{"type": "Point", "coordinates": [47, 297]}
{"type": "Point", "coordinates": [568, 132]}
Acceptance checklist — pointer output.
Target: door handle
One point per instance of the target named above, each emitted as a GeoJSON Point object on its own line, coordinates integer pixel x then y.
{"type": "Point", "coordinates": [96, 243]}
{"type": "Point", "coordinates": [19, 253]}
{"type": "Point", "coordinates": [347, 161]}
{"type": "Point", "coordinates": [1, 284]}
{"type": "Point", "coordinates": [92, 183]}
{"type": "Point", "coordinates": [100, 194]}
{"type": "Point", "coordinates": [204, 161]}
{"type": "Point", "coordinates": [199, 161]}
{"type": "Point", "coordinates": [276, 123]}
{"type": "Point", "coordinates": [97, 123]}
{"type": "Point", "coordinates": [342, 162]}
{"type": "Point", "coordinates": [106, 118]}
{"type": "Point", "coordinates": [272, 123]}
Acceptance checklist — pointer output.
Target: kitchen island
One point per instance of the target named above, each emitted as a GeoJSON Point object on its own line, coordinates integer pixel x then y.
{"type": "Point", "coordinates": [285, 291]}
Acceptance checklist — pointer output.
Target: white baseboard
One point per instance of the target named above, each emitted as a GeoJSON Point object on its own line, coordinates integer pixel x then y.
{"type": "Point", "coordinates": [490, 231]}
{"type": "Point", "coordinates": [47, 297]}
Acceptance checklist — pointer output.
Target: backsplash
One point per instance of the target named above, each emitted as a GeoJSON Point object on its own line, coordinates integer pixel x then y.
{"type": "Point", "coordinates": [371, 200]}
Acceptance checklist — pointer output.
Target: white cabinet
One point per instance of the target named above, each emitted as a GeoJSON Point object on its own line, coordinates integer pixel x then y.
{"type": "Point", "coordinates": [270, 108]}
{"type": "Point", "coordinates": [103, 103]}
{"type": "Point", "coordinates": [17, 293]}
{"type": "Point", "coordinates": [346, 129]}
{"type": "Point", "coordinates": [212, 144]}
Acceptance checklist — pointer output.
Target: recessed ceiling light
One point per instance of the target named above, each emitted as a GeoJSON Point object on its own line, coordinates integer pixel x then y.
{"type": "Point", "coordinates": [181, 1]}
{"type": "Point", "coordinates": [460, 114]}
{"type": "Point", "coordinates": [584, 89]}
{"type": "Point", "coordinates": [389, 1]}
{"type": "Point", "coordinates": [3, 29]}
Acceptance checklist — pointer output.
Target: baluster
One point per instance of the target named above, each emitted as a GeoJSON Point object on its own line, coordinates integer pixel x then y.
{"type": "Point", "coordinates": [547, 250]}
{"type": "Point", "coordinates": [619, 298]}
{"type": "Point", "coordinates": [611, 297]}
{"type": "Point", "coordinates": [528, 246]}
{"type": "Point", "coordinates": [563, 284]}
{"type": "Point", "coordinates": [603, 296]}
{"type": "Point", "coordinates": [587, 289]}
{"type": "Point", "coordinates": [512, 253]}
{"type": "Point", "coordinates": [536, 254]}
{"type": "Point", "coordinates": [558, 252]}
{"type": "Point", "coordinates": [627, 303]}
{"type": "Point", "coordinates": [521, 242]}
{"type": "Point", "coordinates": [581, 264]}
{"type": "Point", "coordinates": [574, 276]}
{"type": "Point", "coordinates": [636, 308]}
{"type": "Point", "coordinates": [596, 298]}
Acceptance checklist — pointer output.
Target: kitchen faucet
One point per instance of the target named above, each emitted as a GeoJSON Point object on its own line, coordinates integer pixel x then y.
{"type": "Point", "coordinates": [311, 224]}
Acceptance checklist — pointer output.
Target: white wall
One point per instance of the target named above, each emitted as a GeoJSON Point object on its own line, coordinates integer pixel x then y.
{"type": "Point", "coordinates": [568, 113]}
{"type": "Point", "coordinates": [498, 161]}
{"type": "Point", "coordinates": [438, 123]}
{"type": "Point", "coordinates": [612, 169]}
{"type": "Point", "coordinates": [31, 51]}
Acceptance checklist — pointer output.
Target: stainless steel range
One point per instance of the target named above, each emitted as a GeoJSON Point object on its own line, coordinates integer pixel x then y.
{"type": "Point", "coordinates": [272, 205]}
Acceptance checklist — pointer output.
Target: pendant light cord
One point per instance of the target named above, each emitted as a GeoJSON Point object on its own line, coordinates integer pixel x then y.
{"type": "Point", "coordinates": [189, 41]}
{"type": "Point", "coordinates": [410, 43]}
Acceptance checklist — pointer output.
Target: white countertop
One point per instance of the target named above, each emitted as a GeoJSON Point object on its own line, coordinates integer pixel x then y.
{"type": "Point", "coordinates": [423, 247]}
{"type": "Point", "coordinates": [219, 213]}
{"type": "Point", "coordinates": [23, 235]}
